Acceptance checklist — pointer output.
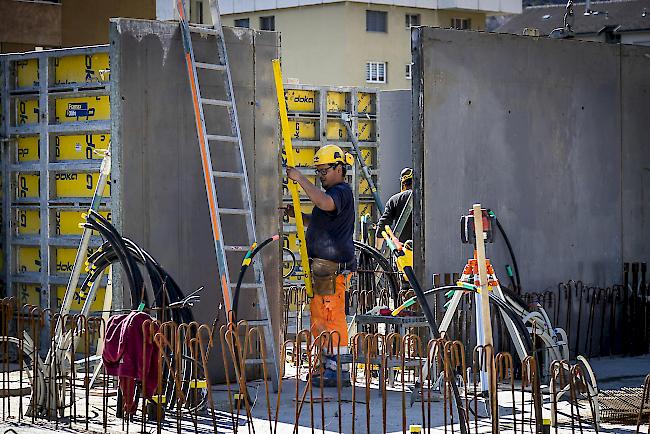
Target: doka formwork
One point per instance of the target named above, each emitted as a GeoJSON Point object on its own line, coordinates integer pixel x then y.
{"type": "Point", "coordinates": [158, 198]}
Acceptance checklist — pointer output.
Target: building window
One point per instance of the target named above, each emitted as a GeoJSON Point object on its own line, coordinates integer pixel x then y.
{"type": "Point", "coordinates": [408, 71]}
{"type": "Point", "coordinates": [376, 72]}
{"type": "Point", "coordinates": [376, 21]}
{"type": "Point", "coordinates": [267, 23]}
{"type": "Point", "coordinates": [412, 20]}
{"type": "Point", "coordinates": [243, 22]}
{"type": "Point", "coordinates": [461, 23]}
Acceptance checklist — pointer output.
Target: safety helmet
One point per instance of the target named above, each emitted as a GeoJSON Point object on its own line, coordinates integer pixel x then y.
{"type": "Point", "coordinates": [406, 174]}
{"type": "Point", "coordinates": [332, 154]}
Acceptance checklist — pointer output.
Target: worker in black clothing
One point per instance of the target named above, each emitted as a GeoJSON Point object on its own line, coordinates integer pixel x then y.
{"type": "Point", "coordinates": [394, 208]}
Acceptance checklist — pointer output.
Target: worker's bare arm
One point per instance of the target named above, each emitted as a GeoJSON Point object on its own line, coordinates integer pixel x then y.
{"type": "Point", "coordinates": [316, 195]}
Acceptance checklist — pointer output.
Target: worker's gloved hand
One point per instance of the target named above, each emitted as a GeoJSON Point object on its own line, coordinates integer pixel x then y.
{"type": "Point", "coordinates": [293, 174]}
{"type": "Point", "coordinates": [289, 210]}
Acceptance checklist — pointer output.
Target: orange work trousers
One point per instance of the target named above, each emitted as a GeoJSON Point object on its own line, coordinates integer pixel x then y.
{"type": "Point", "coordinates": [328, 312]}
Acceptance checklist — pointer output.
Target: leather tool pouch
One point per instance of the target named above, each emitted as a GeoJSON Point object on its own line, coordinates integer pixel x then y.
{"type": "Point", "coordinates": [323, 276]}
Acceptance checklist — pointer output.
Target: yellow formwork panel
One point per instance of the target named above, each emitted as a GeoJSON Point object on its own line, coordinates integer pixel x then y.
{"type": "Point", "coordinates": [337, 102]}
{"type": "Point", "coordinates": [366, 130]}
{"type": "Point", "coordinates": [82, 109]}
{"type": "Point", "coordinates": [304, 130]}
{"type": "Point", "coordinates": [366, 102]}
{"type": "Point", "coordinates": [300, 100]}
{"type": "Point", "coordinates": [79, 299]}
{"type": "Point", "coordinates": [27, 185]}
{"type": "Point", "coordinates": [77, 185]}
{"type": "Point", "coordinates": [28, 221]}
{"type": "Point", "coordinates": [335, 130]}
{"type": "Point", "coordinates": [28, 259]}
{"type": "Point", "coordinates": [28, 293]}
{"type": "Point", "coordinates": [304, 157]}
{"type": "Point", "coordinates": [89, 68]}
{"type": "Point", "coordinates": [366, 208]}
{"type": "Point", "coordinates": [67, 222]}
{"type": "Point", "coordinates": [28, 148]}
{"type": "Point", "coordinates": [367, 154]}
{"type": "Point", "coordinates": [64, 258]}
{"type": "Point", "coordinates": [26, 72]}
{"type": "Point", "coordinates": [80, 147]}
{"type": "Point", "coordinates": [26, 111]}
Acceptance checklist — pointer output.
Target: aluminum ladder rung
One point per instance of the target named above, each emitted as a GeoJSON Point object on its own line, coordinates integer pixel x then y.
{"type": "Point", "coordinates": [222, 174]}
{"type": "Point", "coordinates": [236, 248]}
{"type": "Point", "coordinates": [219, 138]}
{"type": "Point", "coordinates": [246, 285]}
{"type": "Point", "coordinates": [216, 102]}
{"type": "Point", "coordinates": [203, 30]}
{"type": "Point", "coordinates": [212, 66]}
{"type": "Point", "coordinates": [235, 211]}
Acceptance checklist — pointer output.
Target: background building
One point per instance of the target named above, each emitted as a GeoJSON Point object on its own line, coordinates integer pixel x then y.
{"type": "Point", "coordinates": [626, 22]}
{"type": "Point", "coordinates": [355, 43]}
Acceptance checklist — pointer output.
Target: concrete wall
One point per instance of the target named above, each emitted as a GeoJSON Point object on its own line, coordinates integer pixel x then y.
{"type": "Point", "coordinates": [395, 150]}
{"type": "Point", "coordinates": [328, 45]}
{"type": "Point", "coordinates": [548, 134]}
{"type": "Point", "coordinates": [159, 196]}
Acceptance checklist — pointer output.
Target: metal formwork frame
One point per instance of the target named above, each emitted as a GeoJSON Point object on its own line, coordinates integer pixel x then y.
{"type": "Point", "coordinates": [46, 92]}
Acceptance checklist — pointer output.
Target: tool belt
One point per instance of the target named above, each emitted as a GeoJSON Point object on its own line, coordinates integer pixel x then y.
{"type": "Point", "coordinates": [323, 276]}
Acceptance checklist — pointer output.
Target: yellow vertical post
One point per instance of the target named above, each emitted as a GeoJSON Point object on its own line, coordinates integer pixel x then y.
{"type": "Point", "coordinates": [292, 185]}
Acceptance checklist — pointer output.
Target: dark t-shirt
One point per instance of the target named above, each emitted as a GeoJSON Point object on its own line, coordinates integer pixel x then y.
{"type": "Point", "coordinates": [329, 234]}
{"type": "Point", "coordinates": [394, 208]}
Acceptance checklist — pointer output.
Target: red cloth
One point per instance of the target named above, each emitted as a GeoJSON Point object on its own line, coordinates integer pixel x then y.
{"type": "Point", "coordinates": [124, 358]}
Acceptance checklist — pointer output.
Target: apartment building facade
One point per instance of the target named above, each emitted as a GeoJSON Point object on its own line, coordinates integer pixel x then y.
{"type": "Point", "coordinates": [354, 43]}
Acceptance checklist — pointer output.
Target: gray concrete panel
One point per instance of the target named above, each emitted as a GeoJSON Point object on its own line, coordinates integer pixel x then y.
{"type": "Point", "coordinates": [531, 128]}
{"type": "Point", "coordinates": [161, 195]}
{"type": "Point", "coordinates": [635, 70]}
{"type": "Point", "coordinates": [395, 150]}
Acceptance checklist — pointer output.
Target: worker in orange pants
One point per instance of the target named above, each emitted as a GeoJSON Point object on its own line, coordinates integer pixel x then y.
{"type": "Point", "coordinates": [330, 249]}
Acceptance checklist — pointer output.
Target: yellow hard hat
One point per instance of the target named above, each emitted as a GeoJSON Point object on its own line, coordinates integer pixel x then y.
{"type": "Point", "coordinates": [406, 174]}
{"type": "Point", "coordinates": [332, 154]}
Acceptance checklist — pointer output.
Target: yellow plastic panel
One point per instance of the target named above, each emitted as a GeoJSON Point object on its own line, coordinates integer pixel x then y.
{"type": "Point", "coordinates": [89, 108]}
{"type": "Point", "coordinates": [337, 102]}
{"type": "Point", "coordinates": [26, 111]}
{"type": "Point", "coordinates": [80, 147]}
{"type": "Point", "coordinates": [367, 154]}
{"type": "Point", "coordinates": [67, 222]}
{"type": "Point", "coordinates": [305, 130]}
{"type": "Point", "coordinates": [28, 294]}
{"type": "Point", "coordinates": [336, 130]}
{"type": "Point", "coordinates": [64, 258]}
{"type": "Point", "coordinates": [365, 102]}
{"type": "Point", "coordinates": [77, 185]}
{"type": "Point", "coordinates": [28, 149]}
{"type": "Point", "coordinates": [79, 299]}
{"type": "Point", "coordinates": [366, 208]}
{"type": "Point", "coordinates": [304, 157]}
{"type": "Point", "coordinates": [300, 100]}
{"type": "Point", "coordinates": [27, 72]}
{"type": "Point", "coordinates": [366, 130]}
{"type": "Point", "coordinates": [27, 185]}
{"type": "Point", "coordinates": [81, 69]}
{"type": "Point", "coordinates": [28, 259]}
{"type": "Point", "coordinates": [28, 221]}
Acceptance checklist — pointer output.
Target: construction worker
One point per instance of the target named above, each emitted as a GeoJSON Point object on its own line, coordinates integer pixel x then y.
{"type": "Point", "coordinates": [330, 248]}
{"type": "Point", "coordinates": [394, 208]}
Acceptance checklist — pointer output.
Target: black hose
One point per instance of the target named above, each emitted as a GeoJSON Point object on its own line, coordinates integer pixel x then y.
{"type": "Point", "coordinates": [512, 253]}
{"type": "Point", "coordinates": [381, 260]}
